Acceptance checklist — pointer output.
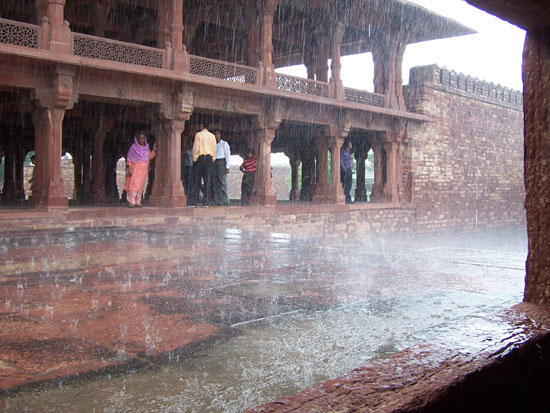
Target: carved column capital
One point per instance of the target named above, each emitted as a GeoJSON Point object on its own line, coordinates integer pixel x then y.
{"type": "Point", "coordinates": [340, 129]}
{"type": "Point", "coordinates": [397, 132]}
{"type": "Point", "coordinates": [60, 94]}
{"type": "Point", "coordinates": [178, 107]}
{"type": "Point", "coordinates": [271, 118]}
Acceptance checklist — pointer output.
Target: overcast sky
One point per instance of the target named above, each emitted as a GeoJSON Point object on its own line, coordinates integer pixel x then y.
{"type": "Point", "coordinates": [494, 54]}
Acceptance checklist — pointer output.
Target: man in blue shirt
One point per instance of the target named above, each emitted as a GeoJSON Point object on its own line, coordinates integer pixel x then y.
{"type": "Point", "coordinates": [220, 170]}
{"type": "Point", "coordinates": [346, 169]}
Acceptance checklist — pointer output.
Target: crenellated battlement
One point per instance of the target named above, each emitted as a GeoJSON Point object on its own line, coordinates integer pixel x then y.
{"type": "Point", "coordinates": [451, 80]}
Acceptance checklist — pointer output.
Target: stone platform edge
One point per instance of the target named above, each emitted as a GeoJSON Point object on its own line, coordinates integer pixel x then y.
{"type": "Point", "coordinates": [310, 220]}
{"type": "Point", "coordinates": [508, 372]}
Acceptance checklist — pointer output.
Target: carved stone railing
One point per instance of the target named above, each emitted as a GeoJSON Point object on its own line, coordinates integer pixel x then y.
{"type": "Point", "coordinates": [222, 70]}
{"type": "Point", "coordinates": [301, 85]}
{"type": "Point", "coordinates": [107, 49]}
{"type": "Point", "coordinates": [367, 98]}
{"type": "Point", "coordinates": [19, 34]}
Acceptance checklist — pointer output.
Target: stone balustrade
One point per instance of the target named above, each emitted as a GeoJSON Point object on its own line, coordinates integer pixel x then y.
{"type": "Point", "coordinates": [107, 49]}
{"type": "Point", "coordinates": [19, 34]}
{"type": "Point", "coordinates": [223, 70]}
{"type": "Point", "coordinates": [93, 47]}
{"type": "Point", "coordinates": [301, 85]}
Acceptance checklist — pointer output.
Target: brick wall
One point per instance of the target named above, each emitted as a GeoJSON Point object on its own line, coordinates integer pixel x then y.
{"type": "Point", "coordinates": [468, 162]}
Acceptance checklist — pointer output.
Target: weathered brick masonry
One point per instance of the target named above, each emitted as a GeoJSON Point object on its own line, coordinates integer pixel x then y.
{"type": "Point", "coordinates": [468, 162]}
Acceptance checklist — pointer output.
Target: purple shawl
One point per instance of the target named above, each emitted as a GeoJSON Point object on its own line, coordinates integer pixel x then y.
{"type": "Point", "coordinates": [138, 153]}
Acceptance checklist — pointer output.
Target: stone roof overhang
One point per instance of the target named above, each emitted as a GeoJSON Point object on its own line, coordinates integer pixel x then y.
{"type": "Point", "coordinates": [365, 19]}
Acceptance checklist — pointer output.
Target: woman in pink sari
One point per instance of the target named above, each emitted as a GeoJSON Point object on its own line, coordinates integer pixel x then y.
{"type": "Point", "coordinates": [137, 167]}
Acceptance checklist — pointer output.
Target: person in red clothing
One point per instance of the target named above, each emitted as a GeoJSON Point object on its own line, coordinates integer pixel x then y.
{"type": "Point", "coordinates": [248, 167]}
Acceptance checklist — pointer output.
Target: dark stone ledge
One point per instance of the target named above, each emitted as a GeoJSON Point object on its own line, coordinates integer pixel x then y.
{"type": "Point", "coordinates": [497, 362]}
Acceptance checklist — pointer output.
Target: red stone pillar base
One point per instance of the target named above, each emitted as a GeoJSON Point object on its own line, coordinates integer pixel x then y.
{"type": "Point", "coordinates": [377, 193]}
{"type": "Point", "coordinates": [321, 193]}
{"type": "Point", "coordinates": [47, 188]}
{"type": "Point", "coordinates": [264, 185]}
{"type": "Point", "coordinates": [167, 188]}
{"type": "Point", "coordinates": [336, 191]}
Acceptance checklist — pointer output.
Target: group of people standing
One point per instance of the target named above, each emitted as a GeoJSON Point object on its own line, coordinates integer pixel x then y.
{"type": "Point", "coordinates": [206, 166]}
{"type": "Point", "coordinates": [210, 158]}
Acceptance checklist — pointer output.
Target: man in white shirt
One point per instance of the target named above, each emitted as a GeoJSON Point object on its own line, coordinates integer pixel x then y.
{"type": "Point", "coordinates": [220, 170]}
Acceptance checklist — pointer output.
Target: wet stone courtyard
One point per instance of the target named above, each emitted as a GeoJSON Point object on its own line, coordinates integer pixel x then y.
{"type": "Point", "coordinates": [191, 319]}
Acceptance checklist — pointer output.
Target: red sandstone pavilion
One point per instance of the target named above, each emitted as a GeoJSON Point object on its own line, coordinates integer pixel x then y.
{"type": "Point", "coordinates": [83, 76]}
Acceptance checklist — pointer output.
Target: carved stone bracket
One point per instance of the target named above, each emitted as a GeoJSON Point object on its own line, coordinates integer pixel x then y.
{"type": "Point", "coordinates": [179, 107]}
{"type": "Point", "coordinates": [60, 94]}
{"type": "Point", "coordinates": [270, 119]}
{"type": "Point", "coordinates": [341, 128]}
{"type": "Point", "coordinates": [397, 131]}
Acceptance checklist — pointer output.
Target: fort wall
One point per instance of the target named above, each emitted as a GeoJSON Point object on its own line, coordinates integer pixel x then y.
{"type": "Point", "coordinates": [468, 163]}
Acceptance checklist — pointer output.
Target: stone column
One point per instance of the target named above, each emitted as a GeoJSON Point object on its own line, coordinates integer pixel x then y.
{"type": "Point", "coordinates": [337, 87]}
{"type": "Point", "coordinates": [387, 55]}
{"type": "Point", "coordinates": [168, 189]}
{"type": "Point", "coordinates": [101, 14]}
{"type": "Point", "coordinates": [252, 16]}
{"type": "Point", "coordinates": [163, 22]}
{"type": "Point", "coordinates": [86, 190]}
{"type": "Point", "coordinates": [9, 192]}
{"type": "Point", "coordinates": [264, 185]}
{"type": "Point", "coordinates": [321, 193]}
{"type": "Point", "coordinates": [310, 53]}
{"type": "Point", "coordinates": [307, 157]}
{"type": "Point", "coordinates": [336, 191]}
{"type": "Point", "coordinates": [51, 104]}
{"type": "Point", "coordinates": [77, 169]}
{"type": "Point", "coordinates": [99, 193]}
{"type": "Point", "coordinates": [170, 34]}
{"type": "Point", "coordinates": [268, 13]}
{"type": "Point", "coordinates": [294, 161]}
{"type": "Point", "coordinates": [20, 170]}
{"type": "Point", "coordinates": [392, 188]}
{"type": "Point", "coordinates": [377, 193]}
{"type": "Point", "coordinates": [47, 189]}
{"type": "Point", "coordinates": [180, 61]}
{"type": "Point", "coordinates": [57, 35]}
{"type": "Point", "coordinates": [536, 79]}
{"type": "Point", "coordinates": [321, 67]}
{"type": "Point", "coordinates": [361, 189]}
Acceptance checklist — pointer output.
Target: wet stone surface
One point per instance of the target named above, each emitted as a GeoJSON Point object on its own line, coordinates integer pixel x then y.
{"type": "Point", "coordinates": [184, 319]}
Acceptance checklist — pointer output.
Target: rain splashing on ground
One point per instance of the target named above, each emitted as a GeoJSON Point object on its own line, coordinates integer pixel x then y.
{"type": "Point", "coordinates": [224, 320]}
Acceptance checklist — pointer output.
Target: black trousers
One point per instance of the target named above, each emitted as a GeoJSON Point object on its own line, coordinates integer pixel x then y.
{"type": "Point", "coordinates": [247, 187]}
{"type": "Point", "coordinates": [219, 182]}
{"type": "Point", "coordinates": [348, 177]}
{"type": "Point", "coordinates": [203, 168]}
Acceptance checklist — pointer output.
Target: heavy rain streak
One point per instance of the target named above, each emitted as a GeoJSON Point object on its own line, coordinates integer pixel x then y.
{"type": "Point", "coordinates": [199, 214]}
